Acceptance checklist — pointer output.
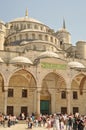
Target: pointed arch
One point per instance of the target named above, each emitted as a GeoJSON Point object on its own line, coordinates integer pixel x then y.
{"type": "Point", "coordinates": [82, 84]}
{"type": "Point", "coordinates": [22, 78]}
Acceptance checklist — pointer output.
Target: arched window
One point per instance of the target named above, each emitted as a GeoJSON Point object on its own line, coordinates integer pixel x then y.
{"type": "Point", "coordinates": [14, 27]}
{"type": "Point", "coordinates": [17, 27]}
{"type": "Point", "coordinates": [34, 47]}
{"type": "Point", "coordinates": [28, 25]}
{"type": "Point", "coordinates": [41, 28]}
{"type": "Point", "coordinates": [51, 39]}
{"type": "Point", "coordinates": [36, 26]}
{"type": "Point", "coordinates": [26, 35]}
{"type": "Point", "coordinates": [52, 48]}
{"type": "Point", "coordinates": [55, 41]}
{"type": "Point", "coordinates": [21, 26]}
{"type": "Point", "coordinates": [20, 37]}
{"type": "Point", "coordinates": [46, 38]}
{"type": "Point", "coordinates": [61, 42]}
{"type": "Point", "coordinates": [40, 37]}
{"type": "Point", "coordinates": [14, 38]}
{"type": "Point", "coordinates": [24, 26]}
{"type": "Point", "coordinates": [33, 36]}
{"type": "Point", "coordinates": [44, 47]}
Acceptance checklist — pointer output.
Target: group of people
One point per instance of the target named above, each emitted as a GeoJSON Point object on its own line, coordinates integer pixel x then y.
{"type": "Point", "coordinates": [7, 120]}
{"type": "Point", "coordinates": [55, 121]}
{"type": "Point", "coordinates": [58, 121]}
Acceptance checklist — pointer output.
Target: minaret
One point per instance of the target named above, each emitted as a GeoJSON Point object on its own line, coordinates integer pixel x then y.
{"type": "Point", "coordinates": [64, 27]}
{"type": "Point", "coordinates": [26, 13]}
{"type": "Point", "coordinates": [63, 36]}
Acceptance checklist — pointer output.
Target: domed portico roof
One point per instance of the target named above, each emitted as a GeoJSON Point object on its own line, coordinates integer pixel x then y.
{"type": "Point", "coordinates": [48, 54]}
{"type": "Point", "coordinates": [21, 60]}
{"type": "Point", "coordinates": [75, 64]}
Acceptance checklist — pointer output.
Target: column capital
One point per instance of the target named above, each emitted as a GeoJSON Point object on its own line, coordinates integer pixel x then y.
{"type": "Point", "coordinates": [68, 91]}
{"type": "Point", "coordinates": [5, 88]}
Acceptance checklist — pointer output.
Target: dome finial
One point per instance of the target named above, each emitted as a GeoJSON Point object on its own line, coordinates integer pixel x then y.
{"type": "Point", "coordinates": [26, 13]}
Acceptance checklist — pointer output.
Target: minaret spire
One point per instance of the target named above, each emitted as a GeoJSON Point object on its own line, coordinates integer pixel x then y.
{"type": "Point", "coordinates": [64, 24]}
{"type": "Point", "coordinates": [26, 13]}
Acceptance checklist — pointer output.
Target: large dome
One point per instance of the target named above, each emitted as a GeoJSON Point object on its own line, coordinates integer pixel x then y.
{"type": "Point", "coordinates": [26, 19]}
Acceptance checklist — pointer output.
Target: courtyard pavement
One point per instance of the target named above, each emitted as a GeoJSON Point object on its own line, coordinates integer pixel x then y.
{"type": "Point", "coordinates": [22, 126]}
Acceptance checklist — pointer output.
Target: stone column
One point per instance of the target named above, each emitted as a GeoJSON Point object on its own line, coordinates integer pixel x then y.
{"type": "Point", "coordinates": [69, 81]}
{"type": "Point", "coordinates": [5, 99]}
{"type": "Point", "coordinates": [34, 104]}
{"type": "Point", "coordinates": [68, 102]}
{"type": "Point", "coordinates": [38, 103]}
{"type": "Point", "coordinates": [53, 103]}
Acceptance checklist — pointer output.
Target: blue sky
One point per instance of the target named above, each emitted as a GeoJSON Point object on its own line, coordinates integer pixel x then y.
{"type": "Point", "coordinates": [51, 13]}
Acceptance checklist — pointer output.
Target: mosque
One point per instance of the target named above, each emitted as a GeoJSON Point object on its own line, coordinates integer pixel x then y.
{"type": "Point", "coordinates": [40, 70]}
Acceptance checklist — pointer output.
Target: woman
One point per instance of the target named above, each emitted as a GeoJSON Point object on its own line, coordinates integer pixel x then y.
{"type": "Point", "coordinates": [48, 123]}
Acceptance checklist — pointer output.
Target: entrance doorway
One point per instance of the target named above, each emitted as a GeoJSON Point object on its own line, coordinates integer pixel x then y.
{"type": "Point", "coordinates": [24, 110]}
{"type": "Point", "coordinates": [45, 106]}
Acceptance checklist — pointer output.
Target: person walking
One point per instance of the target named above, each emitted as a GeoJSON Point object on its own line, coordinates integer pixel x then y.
{"type": "Point", "coordinates": [56, 125]}
{"type": "Point", "coordinates": [75, 125]}
{"type": "Point", "coordinates": [80, 124]}
{"type": "Point", "coordinates": [48, 123]}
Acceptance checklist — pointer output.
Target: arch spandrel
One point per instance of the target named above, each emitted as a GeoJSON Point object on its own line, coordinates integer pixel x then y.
{"type": "Point", "coordinates": [22, 78]}
{"type": "Point", "coordinates": [82, 85]}
{"type": "Point", "coordinates": [4, 78]}
{"type": "Point", "coordinates": [1, 83]}
{"type": "Point", "coordinates": [78, 83]}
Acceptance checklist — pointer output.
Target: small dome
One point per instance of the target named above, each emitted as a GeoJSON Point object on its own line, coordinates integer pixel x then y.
{"type": "Point", "coordinates": [62, 30]}
{"type": "Point", "coordinates": [75, 64]}
{"type": "Point", "coordinates": [48, 54]}
{"type": "Point", "coordinates": [20, 60]}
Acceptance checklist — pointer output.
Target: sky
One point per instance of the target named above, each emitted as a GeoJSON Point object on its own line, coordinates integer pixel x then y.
{"type": "Point", "coordinates": [50, 13]}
